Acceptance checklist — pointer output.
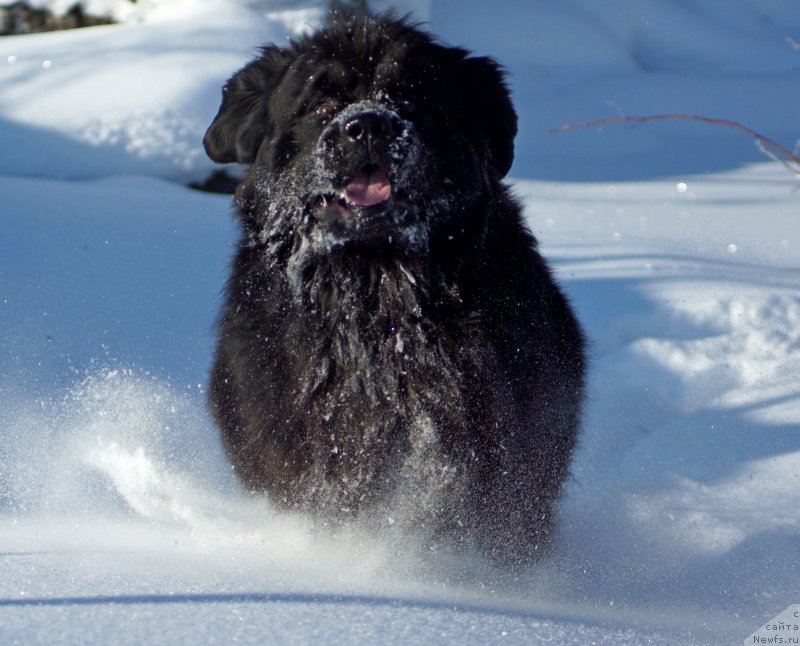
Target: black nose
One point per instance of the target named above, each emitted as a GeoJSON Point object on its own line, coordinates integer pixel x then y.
{"type": "Point", "coordinates": [368, 127]}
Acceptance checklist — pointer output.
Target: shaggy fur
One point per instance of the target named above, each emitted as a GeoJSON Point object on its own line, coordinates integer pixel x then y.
{"type": "Point", "coordinates": [393, 347]}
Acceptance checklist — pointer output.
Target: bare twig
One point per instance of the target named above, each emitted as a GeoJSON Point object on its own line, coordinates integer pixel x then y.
{"type": "Point", "coordinates": [788, 159]}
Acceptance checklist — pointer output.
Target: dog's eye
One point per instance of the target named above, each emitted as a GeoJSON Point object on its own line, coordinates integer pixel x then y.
{"type": "Point", "coordinates": [325, 109]}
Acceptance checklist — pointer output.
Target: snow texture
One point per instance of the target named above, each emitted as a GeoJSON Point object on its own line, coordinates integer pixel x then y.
{"type": "Point", "coordinates": [120, 520]}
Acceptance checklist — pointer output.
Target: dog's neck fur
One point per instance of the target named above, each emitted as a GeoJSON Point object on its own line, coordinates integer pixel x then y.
{"type": "Point", "coordinates": [385, 355]}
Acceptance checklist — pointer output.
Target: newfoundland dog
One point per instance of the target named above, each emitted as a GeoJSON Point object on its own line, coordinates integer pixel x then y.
{"type": "Point", "coordinates": [393, 348]}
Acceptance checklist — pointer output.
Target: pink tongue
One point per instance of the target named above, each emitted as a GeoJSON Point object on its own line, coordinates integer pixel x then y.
{"type": "Point", "coordinates": [368, 188]}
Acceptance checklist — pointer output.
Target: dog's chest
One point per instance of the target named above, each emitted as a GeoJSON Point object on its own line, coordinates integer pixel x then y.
{"type": "Point", "coordinates": [383, 406]}
{"type": "Point", "coordinates": [386, 364]}
{"type": "Point", "coordinates": [379, 369]}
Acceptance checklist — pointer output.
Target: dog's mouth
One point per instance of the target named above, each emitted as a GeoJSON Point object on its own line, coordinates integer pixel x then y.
{"type": "Point", "coordinates": [369, 211]}
{"type": "Point", "coordinates": [370, 188]}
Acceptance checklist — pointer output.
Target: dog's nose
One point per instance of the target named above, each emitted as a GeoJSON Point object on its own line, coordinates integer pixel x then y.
{"type": "Point", "coordinates": [368, 127]}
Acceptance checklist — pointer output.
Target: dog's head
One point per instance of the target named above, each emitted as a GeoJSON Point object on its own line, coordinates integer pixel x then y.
{"type": "Point", "coordinates": [366, 132]}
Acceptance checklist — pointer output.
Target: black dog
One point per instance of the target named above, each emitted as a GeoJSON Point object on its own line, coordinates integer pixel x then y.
{"type": "Point", "coordinates": [393, 346]}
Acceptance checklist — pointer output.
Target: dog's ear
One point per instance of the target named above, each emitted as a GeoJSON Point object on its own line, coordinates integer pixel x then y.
{"type": "Point", "coordinates": [489, 105]}
{"type": "Point", "coordinates": [242, 122]}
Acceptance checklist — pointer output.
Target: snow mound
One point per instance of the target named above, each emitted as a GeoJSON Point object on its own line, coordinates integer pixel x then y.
{"type": "Point", "coordinates": [122, 461]}
{"type": "Point", "coordinates": [748, 365]}
{"type": "Point", "coordinates": [136, 121]}
{"type": "Point", "coordinates": [115, 443]}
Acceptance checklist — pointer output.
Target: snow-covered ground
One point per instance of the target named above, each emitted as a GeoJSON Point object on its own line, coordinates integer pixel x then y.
{"type": "Point", "coordinates": [680, 247]}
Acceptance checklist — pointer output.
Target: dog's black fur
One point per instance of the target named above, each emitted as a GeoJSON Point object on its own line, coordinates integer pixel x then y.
{"type": "Point", "coordinates": [403, 357]}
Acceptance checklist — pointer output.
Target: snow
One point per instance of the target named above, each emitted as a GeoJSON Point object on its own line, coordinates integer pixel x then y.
{"type": "Point", "coordinates": [691, 440]}
{"type": "Point", "coordinates": [677, 242]}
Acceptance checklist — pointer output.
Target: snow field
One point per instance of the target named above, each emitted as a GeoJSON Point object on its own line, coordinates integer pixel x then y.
{"type": "Point", "coordinates": [119, 517]}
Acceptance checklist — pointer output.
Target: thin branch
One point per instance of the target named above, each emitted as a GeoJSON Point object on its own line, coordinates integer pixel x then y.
{"type": "Point", "coordinates": [771, 148]}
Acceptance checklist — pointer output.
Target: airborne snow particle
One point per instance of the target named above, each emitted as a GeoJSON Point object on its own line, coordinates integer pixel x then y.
{"type": "Point", "coordinates": [682, 187]}
{"type": "Point", "coordinates": [47, 65]}
{"type": "Point", "coordinates": [732, 248]}
{"type": "Point", "coordinates": [12, 60]}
